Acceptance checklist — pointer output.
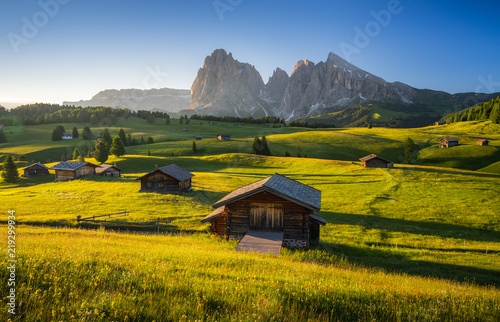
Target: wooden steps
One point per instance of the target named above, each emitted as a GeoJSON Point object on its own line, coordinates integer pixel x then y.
{"type": "Point", "coordinates": [262, 242]}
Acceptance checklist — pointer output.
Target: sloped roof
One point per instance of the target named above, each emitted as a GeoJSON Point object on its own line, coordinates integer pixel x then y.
{"type": "Point", "coordinates": [318, 219]}
{"type": "Point", "coordinates": [214, 214]}
{"type": "Point", "coordinates": [281, 186]}
{"type": "Point", "coordinates": [174, 171]}
{"type": "Point", "coordinates": [482, 140]}
{"type": "Point", "coordinates": [450, 139]}
{"type": "Point", "coordinates": [373, 156]}
{"type": "Point", "coordinates": [71, 166]}
{"type": "Point", "coordinates": [104, 167]}
{"type": "Point", "coordinates": [36, 164]}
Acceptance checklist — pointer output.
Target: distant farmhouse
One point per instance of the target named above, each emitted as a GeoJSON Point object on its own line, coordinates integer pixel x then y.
{"type": "Point", "coordinates": [69, 170]}
{"type": "Point", "coordinates": [198, 137]}
{"type": "Point", "coordinates": [67, 136]}
{"type": "Point", "coordinates": [36, 169]}
{"type": "Point", "coordinates": [108, 170]}
{"type": "Point", "coordinates": [275, 203]}
{"type": "Point", "coordinates": [482, 142]}
{"type": "Point", "coordinates": [224, 137]}
{"type": "Point", "coordinates": [171, 178]}
{"type": "Point", "coordinates": [439, 123]}
{"type": "Point", "coordinates": [448, 142]}
{"type": "Point", "coordinates": [374, 161]}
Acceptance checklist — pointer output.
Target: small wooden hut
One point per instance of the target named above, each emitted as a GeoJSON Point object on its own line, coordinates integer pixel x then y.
{"type": "Point", "coordinates": [67, 136]}
{"type": "Point", "coordinates": [483, 142]}
{"type": "Point", "coordinates": [448, 142]}
{"type": "Point", "coordinates": [374, 161]}
{"type": "Point", "coordinates": [224, 137]}
{"type": "Point", "coordinates": [171, 178]}
{"type": "Point", "coordinates": [108, 170]}
{"type": "Point", "coordinates": [198, 137]}
{"type": "Point", "coordinates": [439, 123]}
{"type": "Point", "coordinates": [69, 170]}
{"type": "Point", "coordinates": [36, 169]}
{"type": "Point", "coordinates": [275, 203]}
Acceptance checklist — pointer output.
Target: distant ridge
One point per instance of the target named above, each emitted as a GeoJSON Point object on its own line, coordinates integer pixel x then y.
{"type": "Point", "coordinates": [164, 99]}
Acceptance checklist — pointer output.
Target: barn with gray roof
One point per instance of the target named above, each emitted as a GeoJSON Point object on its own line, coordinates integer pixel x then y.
{"type": "Point", "coordinates": [275, 203]}
{"type": "Point", "coordinates": [69, 170]}
{"type": "Point", "coordinates": [170, 178]}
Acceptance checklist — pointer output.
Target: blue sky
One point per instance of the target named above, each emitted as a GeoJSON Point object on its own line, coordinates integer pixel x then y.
{"type": "Point", "coordinates": [56, 50]}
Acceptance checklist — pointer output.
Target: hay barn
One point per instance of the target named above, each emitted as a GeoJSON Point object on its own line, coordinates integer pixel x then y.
{"type": "Point", "coordinates": [171, 178]}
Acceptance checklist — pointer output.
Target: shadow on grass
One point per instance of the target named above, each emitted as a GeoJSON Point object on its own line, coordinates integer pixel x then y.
{"type": "Point", "coordinates": [435, 249]}
{"type": "Point", "coordinates": [453, 172]}
{"type": "Point", "coordinates": [443, 230]}
{"type": "Point", "coordinates": [393, 262]}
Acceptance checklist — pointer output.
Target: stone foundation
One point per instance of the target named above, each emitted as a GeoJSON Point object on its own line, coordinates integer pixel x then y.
{"type": "Point", "coordinates": [294, 243]}
{"type": "Point", "coordinates": [236, 237]}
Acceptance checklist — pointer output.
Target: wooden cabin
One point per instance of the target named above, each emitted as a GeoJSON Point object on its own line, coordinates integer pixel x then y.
{"type": "Point", "coordinates": [275, 203]}
{"type": "Point", "coordinates": [374, 161]}
{"type": "Point", "coordinates": [439, 123]}
{"type": "Point", "coordinates": [198, 137]}
{"type": "Point", "coordinates": [224, 137]}
{"type": "Point", "coordinates": [171, 178]}
{"type": "Point", "coordinates": [483, 142]}
{"type": "Point", "coordinates": [69, 170]}
{"type": "Point", "coordinates": [36, 169]}
{"type": "Point", "coordinates": [448, 142]}
{"type": "Point", "coordinates": [108, 170]}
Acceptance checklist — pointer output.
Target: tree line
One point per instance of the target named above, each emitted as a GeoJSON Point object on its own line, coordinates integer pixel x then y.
{"type": "Point", "coordinates": [479, 112]}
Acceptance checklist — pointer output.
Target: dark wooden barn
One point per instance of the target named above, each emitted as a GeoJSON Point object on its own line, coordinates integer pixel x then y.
{"type": "Point", "coordinates": [483, 142]}
{"type": "Point", "coordinates": [374, 161]}
{"type": "Point", "coordinates": [171, 178]}
{"type": "Point", "coordinates": [36, 169]}
{"type": "Point", "coordinates": [68, 170]}
{"type": "Point", "coordinates": [439, 123]}
{"type": "Point", "coordinates": [224, 137]}
{"type": "Point", "coordinates": [448, 142]}
{"type": "Point", "coordinates": [108, 170]}
{"type": "Point", "coordinates": [276, 203]}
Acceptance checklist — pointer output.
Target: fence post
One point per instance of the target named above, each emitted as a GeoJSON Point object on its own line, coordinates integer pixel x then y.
{"type": "Point", "coordinates": [78, 218]}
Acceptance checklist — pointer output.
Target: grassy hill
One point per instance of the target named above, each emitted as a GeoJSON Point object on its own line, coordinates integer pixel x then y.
{"type": "Point", "coordinates": [417, 242]}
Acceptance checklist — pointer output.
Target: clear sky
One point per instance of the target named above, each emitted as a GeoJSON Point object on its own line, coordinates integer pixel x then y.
{"type": "Point", "coordinates": [56, 50]}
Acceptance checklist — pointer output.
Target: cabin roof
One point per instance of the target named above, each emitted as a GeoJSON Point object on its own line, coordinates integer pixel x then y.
{"type": "Point", "coordinates": [36, 164]}
{"type": "Point", "coordinates": [104, 167]}
{"type": "Point", "coordinates": [281, 186]}
{"type": "Point", "coordinates": [174, 171]}
{"type": "Point", "coordinates": [71, 166]}
{"type": "Point", "coordinates": [482, 140]}
{"type": "Point", "coordinates": [214, 214]}
{"type": "Point", "coordinates": [223, 134]}
{"type": "Point", "coordinates": [450, 139]}
{"type": "Point", "coordinates": [373, 156]}
{"type": "Point", "coordinates": [318, 219]}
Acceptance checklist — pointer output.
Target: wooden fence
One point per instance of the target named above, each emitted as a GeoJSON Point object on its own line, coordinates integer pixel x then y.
{"type": "Point", "coordinates": [92, 220]}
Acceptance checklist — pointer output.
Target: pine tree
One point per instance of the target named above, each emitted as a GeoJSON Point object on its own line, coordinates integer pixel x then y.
{"type": "Point", "coordinates": [194, 149]}
{"type": "Point", "coordinates": [265, 148]}
{"type": "Point", "coordinates": [3, 138]}
{"type": "Point", "coordinates": [87, 133]}
{"type": "Point", "coordinates": [117, 147]}
{"type": "Point", "coordinates": [85, 149]}
{"type": "Point", "coordinates": [9, 173]}
{"type": "Point", "coordinates": [409, 147]}
{"type": "Point", "coordinates": [181, 120]}
{"type": "Point", "coordinates": [106, 137]}
{"type": "Point", "coordinates": [122, 136]}
{"type": "Point", "coordinates": [81, 158]}
{"type": "Point", "coordinates": [101, 152]}
{"type": "Point", "coordinates": [56, 135]}
{"type": "Point", "coordinates": [257, 146]}
{"type": "Point", "coordinates": [75, 133]}
{"type": "Point", "coordinates": [142, 140]}
{"type": "Point", "coordinates": [76, 154]}
{"type": "Point", "coordinates": [150, 140]}
{"type": "Point", "coordinates": [149, 153]}
{"type": "Point", "coordinates": [129, 140]}
{"type": "Point", "coordinates": [167, 121]}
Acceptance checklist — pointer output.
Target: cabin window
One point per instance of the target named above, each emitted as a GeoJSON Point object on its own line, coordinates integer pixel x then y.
{"type": "Point", "coordinates": [160, 185]}
{"type": "Point", "coordinates": [266, 216]}
{"type": "Point", "coordinates": [149, 184]}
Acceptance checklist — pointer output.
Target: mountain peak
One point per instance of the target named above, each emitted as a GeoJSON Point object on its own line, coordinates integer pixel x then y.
{"type": "Point", "coordinates": [302, 64]}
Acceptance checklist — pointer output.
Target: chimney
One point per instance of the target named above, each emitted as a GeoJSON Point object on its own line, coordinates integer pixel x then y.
{"type": "Point", "coordinates": [156, 167]}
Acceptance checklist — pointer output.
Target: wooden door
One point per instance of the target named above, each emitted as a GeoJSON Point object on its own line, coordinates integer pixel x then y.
{"type": "Point", "coordinates": [266, 216]}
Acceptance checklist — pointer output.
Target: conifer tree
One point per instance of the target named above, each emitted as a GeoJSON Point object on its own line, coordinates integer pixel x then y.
{"type": "Point", "coordinates": [76, 154]}
{"type": "Point", "coordinates": [101, 152]}
{"type": "Point", "coordinates": [75, 133]}
{"type": "Point", "coordinates": [194, 149]}
{"type": "Point", "coordinates": [122, 136]}
{"type": "Point", "coordinates": [3, 138]}
{"type": "Point", "coordinates": [9, 173]}
{"type": "Point", "coordinates": [117, 147]}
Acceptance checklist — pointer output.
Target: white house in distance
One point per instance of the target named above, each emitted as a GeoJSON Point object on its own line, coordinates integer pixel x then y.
{"type": "Point", "coordinates": [67, 136]}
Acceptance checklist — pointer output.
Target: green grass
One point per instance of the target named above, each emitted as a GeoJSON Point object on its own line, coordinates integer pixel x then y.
{"type": "Point", "coordinates": [416, 242]}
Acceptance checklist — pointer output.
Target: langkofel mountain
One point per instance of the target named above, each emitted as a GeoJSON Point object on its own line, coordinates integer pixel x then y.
{"type": "Point", "coordinates": [225, 86]}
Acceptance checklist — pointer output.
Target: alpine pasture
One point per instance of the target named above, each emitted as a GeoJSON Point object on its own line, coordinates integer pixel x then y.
{"type": "Point", "coordinates": [420, 241]}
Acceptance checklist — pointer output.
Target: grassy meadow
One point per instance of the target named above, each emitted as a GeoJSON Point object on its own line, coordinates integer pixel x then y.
{"type": "Point", "coordinates": [417, 242]}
